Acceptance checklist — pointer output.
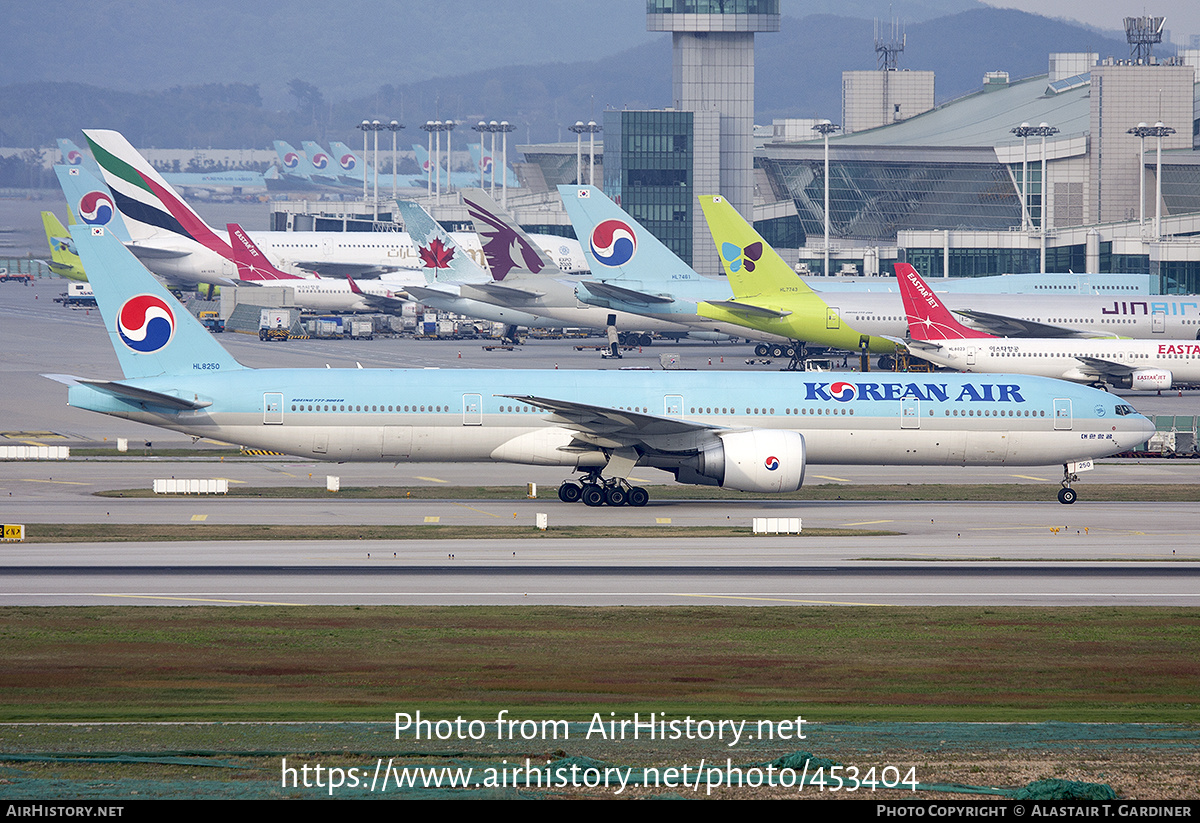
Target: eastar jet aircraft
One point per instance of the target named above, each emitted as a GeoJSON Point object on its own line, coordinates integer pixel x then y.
{"type": "Point", "coordinates": [175, 242]}
{"type": "Point", "coordinates": [748, 431]}
{"type": "Point", "coordinates": [936, 336]}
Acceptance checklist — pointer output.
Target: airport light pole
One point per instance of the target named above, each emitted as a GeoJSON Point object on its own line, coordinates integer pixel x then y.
{"type": "Point", "coordinates": [1043, 131]}
{"type": "Point", "coordinates": [1161, 130]}
{"type": "Point", "coordinates": [429, 128]}
{"type": "Point", "coordinates": [394, 127]}
{"type": "Point", "coordinates": [493, 127]}
{"type": "Point", "coordinates": [826, 128]}
{"type": "Point", "coordinates": [366, 127]}
{"type": "Point", "coordinates": [579, 129]}
{"type": "Point", "coordinates": [376, 127]}
{"type": "Point", "coordinates": [504, 128]}
{"type": "Point", "coordinates": [1023, 131]}
{"type": "Point", "coordinates": [482, 128]}
{"type": "Point", "coordinates": [1141, 131]}
{"type": "Point", "coordinates": [449, 126]}
{"type": "Point", "coordinates": [591, 129]}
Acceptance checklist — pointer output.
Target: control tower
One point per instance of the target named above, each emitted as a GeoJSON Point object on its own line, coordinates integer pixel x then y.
{"type": "Point", "coordinates": [713, 70]}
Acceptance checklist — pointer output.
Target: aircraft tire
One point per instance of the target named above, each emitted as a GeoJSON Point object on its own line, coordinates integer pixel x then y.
{"type": "Point", "coordinates": [638, 497]}
{"type": "Point", "coordinates": [761, 350]}
{"type": "Point", "coordinates": [777, 350]}
{"type": "Point", "coordinates": [570, 492]}
{"type": "Point", "coordinates": [616, 496]}
{"type": "Point", "coordinates": [1067, 496]}
{"type": "Point", "coordinates": [592, 495]}
{"type": "Point", "coordinates": [790, 351]}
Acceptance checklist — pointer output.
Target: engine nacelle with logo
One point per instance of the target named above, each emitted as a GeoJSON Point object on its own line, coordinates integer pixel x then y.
{"type": "Point", "coordinates": [1145, 380]}
{"type": "Point", "coordinates": [758, 460]}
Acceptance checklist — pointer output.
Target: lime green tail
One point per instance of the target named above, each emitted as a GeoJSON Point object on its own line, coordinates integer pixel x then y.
{"type": "Point", "coordinates": [768, 295]}
{"type": "Point", "coordinates": [63, 260]}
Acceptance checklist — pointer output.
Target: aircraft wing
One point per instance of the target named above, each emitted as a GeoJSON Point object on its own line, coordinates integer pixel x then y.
{"type": "Point", "coordinates": [1106, 368]}
{"type": "Point", "coordinates": [607, 427]}
{"type": "Point", "coordinates": [1004, 326]}
{"type": "Point", "coordinates": [916, 345]}
{"type": "Point", "coordinates": [432, 290]}
{"type": "Point", "coordinates": [388, 302]}
{"type": "Point", "coordinates": [507, 294]}
{"type": "Point", "coordinates": [146, 252]}
{"type": "Point", "coordinates": [363, 271]}
{"type": "Point", "coordinates": [170, 400]}
{"type": "Point", "coordinates": [602, 288]}
{"type": "Point", "coordinates": [748, 309]}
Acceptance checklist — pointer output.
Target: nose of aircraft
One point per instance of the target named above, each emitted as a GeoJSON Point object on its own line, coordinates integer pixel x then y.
{"type": "Point", "coordinates": [1137, 429]}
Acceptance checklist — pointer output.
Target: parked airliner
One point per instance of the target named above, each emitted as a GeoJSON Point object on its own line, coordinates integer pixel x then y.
{"type": "Point", "coordinates": [934, 334]}
{"type": "Point", "coordinates": [170, 238]}
{"type": "Point", "coordinates": [741, 430]}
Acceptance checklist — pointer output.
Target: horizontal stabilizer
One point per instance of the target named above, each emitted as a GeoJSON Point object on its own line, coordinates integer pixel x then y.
{"type": "Point", "coordinates": [1005, 326]}
{"type": "Point", "coordinates": [145, 252]}
{"type": "Point", "coordinates": [171, 400]}
{"type": "Point", "coordinates": [748, 309]}
{"type": "Point", "coordinates": [602, 288]}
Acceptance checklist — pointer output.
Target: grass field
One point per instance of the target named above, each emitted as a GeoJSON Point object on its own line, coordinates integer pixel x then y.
{"type": "Point", "coordinates": [337, 663]}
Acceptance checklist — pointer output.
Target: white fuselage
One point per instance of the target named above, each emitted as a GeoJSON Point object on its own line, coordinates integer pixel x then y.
{"type": "Point", "coordinates": [1157, 316]}
{"type": "Point", "coordinates": [464, 415]}
{"type": "Point", "coordinates": [1063, 358]}
{"type": "Point", "coordinates": [294, 251]}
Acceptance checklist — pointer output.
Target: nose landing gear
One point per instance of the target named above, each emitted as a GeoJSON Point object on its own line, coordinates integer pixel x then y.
{"type": "Point", "coordinates": [1067, 495]}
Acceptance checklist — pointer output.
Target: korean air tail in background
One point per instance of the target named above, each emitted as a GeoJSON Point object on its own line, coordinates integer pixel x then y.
{"type": "Point", "coordinates": [75, 157]}
{"type": "Point", "coordinates": [151, 332]}
{"type": "Point", "coordinates": [615, 245]}
{"type": "Point", "coordinates": [90, 201]}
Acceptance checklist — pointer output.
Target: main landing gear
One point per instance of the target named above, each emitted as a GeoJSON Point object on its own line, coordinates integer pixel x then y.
{"type": "Point", "coordinates": [794, 351]}
{"type": "Point", "coordinates": [594, 490]}
{"type": "Point", "coordinates": [1067, 495]}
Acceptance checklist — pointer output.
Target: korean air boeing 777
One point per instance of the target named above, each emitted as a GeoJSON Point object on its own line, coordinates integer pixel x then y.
{"type": "Point", "coordinates": [741, 430]}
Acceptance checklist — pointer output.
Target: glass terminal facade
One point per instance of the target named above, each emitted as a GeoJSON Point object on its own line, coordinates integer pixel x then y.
{"type": "Point", "coordinates": [648, 170]}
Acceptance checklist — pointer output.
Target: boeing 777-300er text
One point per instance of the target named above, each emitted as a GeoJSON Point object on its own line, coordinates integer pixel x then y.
{"type": "Point", "coordinates": [170, 238]}
{"type": "Point", "coordinates": [741, 430]}
{"type": "Point", "coordinates": [934, 334]}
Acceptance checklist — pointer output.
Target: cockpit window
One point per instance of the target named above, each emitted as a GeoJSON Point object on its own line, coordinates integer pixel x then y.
{"type": "Point", "coordinates": [1124, 409]}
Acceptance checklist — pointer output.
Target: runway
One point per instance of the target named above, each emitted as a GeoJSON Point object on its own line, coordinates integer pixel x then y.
{"type": "Point", "coordinates": [945, 553]}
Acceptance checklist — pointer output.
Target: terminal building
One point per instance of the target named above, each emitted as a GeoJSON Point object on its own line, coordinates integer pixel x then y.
{"type": "Point", "coordinates": [1056, 173]}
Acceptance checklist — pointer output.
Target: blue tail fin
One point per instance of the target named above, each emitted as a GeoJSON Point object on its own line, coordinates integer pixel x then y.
{"type": "Point", "coordinates": [90, 201]}
{"type": "Point", "coordinates": [615, 244]}
{"type": "Point", "coordinates": [152, 333]}
{"type": "Point", "coordinates": [441, 258]}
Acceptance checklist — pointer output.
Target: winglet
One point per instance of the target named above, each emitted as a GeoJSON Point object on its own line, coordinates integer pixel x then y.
{"type": "Point", "coordinates": [928, 318]}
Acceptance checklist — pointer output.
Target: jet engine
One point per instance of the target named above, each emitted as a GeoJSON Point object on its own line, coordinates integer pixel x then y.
{"type": "Point", "coordinates": [1145, 380]}
{"type": "Point", "coordinates": [758, 460]}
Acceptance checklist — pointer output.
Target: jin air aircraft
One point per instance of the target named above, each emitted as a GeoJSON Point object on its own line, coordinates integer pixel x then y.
{"type": "Point", "coordinates": [740, 430]}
